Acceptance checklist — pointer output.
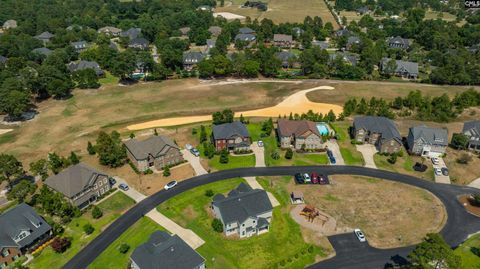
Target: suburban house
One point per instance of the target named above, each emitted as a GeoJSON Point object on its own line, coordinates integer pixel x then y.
{"type": "Point", "coordinates": [363, 10]}
{"type": "Point", "coordinates": [42, 51]}
{"type": "Point", "coordinates": [403, 69]}
{"type": "Point", "coordinates": [184, 30]}
{"type": "Point", "coordinates": [45, 37]}
{"type": "Point", "coordinates": [80, 184]}
{"type": "Point", "coordinates": [215, 30]}
{"type": "Point", "coordinates": [138, 43]}
{"type": "Point", "coordinates": [352, 40]}
{"type": "Point", "coordinates": [244, 212]}
{"type": "Point", "coordinates": [231, 136]}
{"type": "Point", "coordinates": [110, 31]}
{"type": "Point", "coordinates": [347, 57]}
{"type": "Point", "coordinates": [426, 141]}
{"type": "Point", "coordinates": [343, 32]}
{"type": "Point", "coordinates": [282, 41]}
{"type": "Point", "coordinates": [156, 151]}
{"type": "Point", "coordinates": [191, 59]}
{"type": "Point", "coordinates": [9, 24]}
{"type": "Point", "coordinates": [164, 251]}
{"type": "Point", "coordinates": [287, 58]}
{"type": "Point", "coordinates": [79, 46]}
{"type": "Point", "coordinates": [321, 44]}
{"type": "Point", "coordinates": [22, 230]}
{"type": "Point", "coordinates": [249, 38]}
{"type": "Point", "coordinates": [398, 43]}
{"type": "Point", "coordinates": [301, 133]}
{"type": "Point", "coordinates": [472, 130]}
{"type": "Point", "coordinates": [81, 65]}
{"type": "Point", "coordinates": [131, 33]}
{"type": "Point", "coordinates": [378, 131]}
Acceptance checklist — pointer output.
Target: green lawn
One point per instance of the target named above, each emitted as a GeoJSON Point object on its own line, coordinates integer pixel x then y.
{"type": "Point", "coordinates": [112, 209]}
{"type": "Point", "coordinates": [403, 165]}
{"type": "Point", "coordinates": [349, 153]}
{"type": "Point", "coordinates": [233, 162]}
{"type": "Point", "coordinates": [108, 79]}
{"type": "Point", "coordinates": [469, 260]}
{"type": "Point", "coordinates": [136, 235]}
{"type": "Point", "coordinates": [282, 245]}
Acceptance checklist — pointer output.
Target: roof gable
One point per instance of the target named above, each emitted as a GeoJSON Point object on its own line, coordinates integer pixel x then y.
{"type": "Point", "coordinates": [229, 130]}
{"type": "Point", "coordinates": [301, 128]}
{"type": "Point", "coordinates": [153, 146]}
{"type": "Point", "coordinates": [74, 179]}
{"type": "Point", "coordinates": [380, 125]}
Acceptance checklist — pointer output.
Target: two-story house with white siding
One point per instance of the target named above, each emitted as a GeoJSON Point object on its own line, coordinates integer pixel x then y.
{"type": "Point", "coordinates": [426, 141]}
{"type": "Point", "coordinates": [244, 211]}
{"type": "Point", "coordinates": [302, 133]}
{"type": "Point", "coordinates": [164, 251]}
{"type": "Point", "coordinates": [80, 184]}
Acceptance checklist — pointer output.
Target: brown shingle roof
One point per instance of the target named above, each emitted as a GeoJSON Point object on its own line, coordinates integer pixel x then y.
{"type": "Point", "coordinates": [297, 128]}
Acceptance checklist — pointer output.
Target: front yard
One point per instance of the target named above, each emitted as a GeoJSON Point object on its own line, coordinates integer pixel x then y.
{"type": "Point", "coordinates": [469, 259]}
{"type": "Point", "coordinates": [404, 165]}
{"type": "Point", "coordinates": [282, 247]}
{"type": "Point", "coordinates": [233, 162]}
{"type": "Point", "coordinates": [112, 208]}
{"type": "Point", "coordinates": [136, 235]}
{"type": "Point", "coordinates": [349, 153]}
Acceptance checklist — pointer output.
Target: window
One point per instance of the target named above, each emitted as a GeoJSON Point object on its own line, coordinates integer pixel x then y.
{"type": "Point", "coordinates": [104, 181]}
{"type": "Point", "coordinates": [5, 252]}
{"type": "Point", "coordinates": [243, 225]}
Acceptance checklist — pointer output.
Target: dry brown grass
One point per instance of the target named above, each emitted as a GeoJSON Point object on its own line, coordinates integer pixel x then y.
{"type": "Point", "coordinates": [391, 214]}
{"type": "Point", "coordinates": [462, 174]}
{"type": "Point", "coordinates": [282, 10]}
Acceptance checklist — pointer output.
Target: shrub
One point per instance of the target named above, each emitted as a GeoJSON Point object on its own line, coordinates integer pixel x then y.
{"type": "Point", "coordinates": [400, 153]}
{"type": "Point", "coordinates": [476, 199]}
{"type": "Point", "coordinates": [88, 228]}
{"type": "Point", "coordinates": [96, 212]}
{"type": "Point", "coordinates": [289, 154]}
{"type": "Point", "coordinates": [475, 251]}
{"type": "Point", "coordinates": [289, 260]}
{"type": "Point", "coordinates": [90, 148]}
{"type": "Point", "coordinates": [465, 158]}
{"type": "Point", "coordinates": [275, 155]}
{"type": "Point", "coordinates": [224, 157]}
{"type": "Point", "coordinates": [60, 244]}
{"type": "Point", "coordinates": [217, 225]}
{"type": "Point", "coordinates": [282, 262]}
{"type": "Point", "coordinates": [209, 193]}
{"type": "Point", "coordinates": [310, 249]}
{"type": "Point", "coordinates": [123, 248]}
{"type": "Point", "coordinates": [166, 171]}
{"type": "Point", "coordinates": [148, 171]}
{"type": "Point", "coordinates": [57, 228]}
{"type": "Point", "coordinates": [392, 159]}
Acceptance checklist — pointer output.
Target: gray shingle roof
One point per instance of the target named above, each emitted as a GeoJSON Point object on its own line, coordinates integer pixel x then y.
{"type": "Point", "coordinates": [242, 203]}
{"type": "Point", "coordinates": [246, 30]}
{"type": "Point", "coordinates": [472, 128]}
{"type": "Point", "coordinates": [155, 146]}
{"type": "Point", "coordinates": [353, 40]}
{"type": "Point", "coordinates": [343, 32]}
{"type": "Point", "coordinates": [432, 136]}
{"type": "Point", "coordinates": [20, 218]}
{"type": "Point", "coordinates": [245, 37]}
{"type": "Point", "coordinates": [321, 44]}
{"type": "Point", "coordinates": [79, 44]}
{"type": "Point", "coordinates": [398, 42]}
{"type": "Point", "coordinates": [43, 51]}
{"type": "Point", "coordinates": [284, 56]}
{"type": "Point", "coordinates": [44, 36]}
{"type": "Point", "coordinates": [228, 130]}
{"type": "Point", "coordinates": [163, 251]}
{"type": "Point", "coordinates": [131, 33]}
{"type": "Point", "coordinates": [402, 66]}
{"type": "Point", "coordinates": [138, 42]}
{"type": "Point", "coordinates": [110, 29]}
{"type": "Point", "coordinates": [215, 30]}
{"type": "Point", "coordinates": [74, 179]}
{"type": "Point", "coordinates": [192, 57]}
{"type": "Point", "coordinates": [10, 24]}
{"type": "Point", "coordinates": [347, 57]}
{"type": "Point", "coordinates": [381, 125]}
{"type": "Point", "coordinates": [76, 66]}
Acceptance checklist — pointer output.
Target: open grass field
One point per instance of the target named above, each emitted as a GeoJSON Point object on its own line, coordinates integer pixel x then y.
{"type": "Point", "coordinates": [391, 214]}
{"type": "Point", "coordinates": [136, 235]}
{"type": "Point", "coordinates": [469, 260]}
{"type": "Point", "coordinates": [280, 11]}
{"type": "Point", "coordinates": [112, 208]}
{"type": "Point", "coordinates": [283, 244]}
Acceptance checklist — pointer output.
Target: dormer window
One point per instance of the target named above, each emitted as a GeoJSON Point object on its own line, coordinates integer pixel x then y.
{"type": "Point", "coordinates": [5, 252]}
{"type": "Point", "coordinates": [22, 235]}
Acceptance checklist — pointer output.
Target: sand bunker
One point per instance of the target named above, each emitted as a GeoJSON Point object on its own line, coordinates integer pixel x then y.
{"type": "Point", "coordinates": [295, 103]}
{"type": "Point", "coordinates": [4, 131]}
{"type": "Point", "coordinates": [228, 16]}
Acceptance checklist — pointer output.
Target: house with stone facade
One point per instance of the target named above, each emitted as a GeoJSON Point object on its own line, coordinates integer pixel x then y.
{"type": "Point", "coordinates": [299, 134]}
{"type": "Point", "coordinates": [244, 212]}
{"type": "Point", "coordinates": [154, 152]}
{"type": "Point", "coordinates": [231, 136]}
{"type": "Point", "coordinates": [378, 131]}
{"type": "Point", "coordinates": [472, 130]}
{"type": "Point", "coordinates": [426, 141]}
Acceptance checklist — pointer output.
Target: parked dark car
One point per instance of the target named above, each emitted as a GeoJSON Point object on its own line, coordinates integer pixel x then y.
{"type": "Point", "coordinates": [123, 187]}
{"type": "Point", "coordinates": [112, 181]}
{"type": "Point", "coordinates": [299, 179]}
{"type": "Point", "coordinates": [331, 157]}
{"type": "Point", "coordinates": [315, 178]}
{"type": "Point", "coordinates": [323, 179]}
{"type": "Point", "coordinates": [445, 171]}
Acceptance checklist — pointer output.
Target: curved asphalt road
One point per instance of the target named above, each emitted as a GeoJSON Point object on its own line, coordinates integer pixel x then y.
{"type": "Point", "coordinates": [349, 252]}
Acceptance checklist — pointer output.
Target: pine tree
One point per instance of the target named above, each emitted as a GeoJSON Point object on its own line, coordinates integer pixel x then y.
{"type": "Point", "coordinates": [90, 148]}
{"type": "Point", "coordinates": [74, 159]}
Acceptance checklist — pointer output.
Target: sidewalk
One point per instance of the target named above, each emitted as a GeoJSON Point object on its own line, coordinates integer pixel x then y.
{"type": "Point", "coordinates": [260, 162]}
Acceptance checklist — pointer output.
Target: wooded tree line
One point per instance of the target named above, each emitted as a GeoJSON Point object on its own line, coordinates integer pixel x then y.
{"type": "Point", "coordinates": [422, 107]}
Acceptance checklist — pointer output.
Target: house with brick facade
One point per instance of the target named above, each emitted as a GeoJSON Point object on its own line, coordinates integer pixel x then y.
{"type": "Point", "coordinates": [154, 152]}
{"type": "Point", "coordinates": [378, 131]}
{"type": "Point", "coordinates": [21, 230]}
{"type": "Point", "coordinates": [298, 134]}
{"type": "Point", "coordinates": [231, 136]}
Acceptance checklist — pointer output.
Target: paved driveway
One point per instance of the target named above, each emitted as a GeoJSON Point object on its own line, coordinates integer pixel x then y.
{"type": "Point", "coordinates": [132, 193]}
{"type": "Point", "coordinates": [194, 162]}
{"type": "Point", "coordinates": [333, 146]}
{"type": "Point", "coordinates": [441, 178]}
{"type": "Point", "coordinates": [368, 151]}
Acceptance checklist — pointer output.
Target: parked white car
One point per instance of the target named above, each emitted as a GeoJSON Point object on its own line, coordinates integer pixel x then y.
{"type": "Point", "coordinates": [307, 178]}
{"type": "Point", "coordinates": [435, 160]}
{"type": "Point", "coordinates": [188, 146]}
{"type": "Point", "coordinates": [260, 143]}
{"type": "Point", "coordinates": [438, 171]}
{"type": "Point", "coordinates": [170, 185]}
{"type": "Point", "coordinates": [359, 234]}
